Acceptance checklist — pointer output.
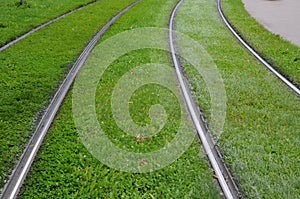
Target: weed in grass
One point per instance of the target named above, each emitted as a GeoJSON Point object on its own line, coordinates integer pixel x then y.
{"type": "Point", "coordinates": [2, 25]}
{"type": "Point", "coordinates": [23, 5]}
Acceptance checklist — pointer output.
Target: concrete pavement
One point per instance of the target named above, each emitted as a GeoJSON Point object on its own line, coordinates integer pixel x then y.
{"type": "Point", "coordinates": [278, 16]}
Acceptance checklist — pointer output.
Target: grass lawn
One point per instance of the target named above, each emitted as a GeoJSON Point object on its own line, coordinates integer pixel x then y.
{"type": "Point", "coordinates": [281, 54]}
{"type": "Point", "coordinates": [261, 137]}
{"type": "Point", "coordinates": [32, 69]}
{"type": "Point", "coordinates": [16, 19]}
{"type": "Point", "coordinates": [65, 167]}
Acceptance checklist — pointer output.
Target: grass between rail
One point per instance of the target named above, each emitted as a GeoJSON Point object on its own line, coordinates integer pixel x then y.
{"type": "Point", "coordinates": [65, 167]}
{"type": "Point", "coordinates": [32, 69]}
{"type": "Point", "coordinates": [261, 137]}
{"type": "Point", "coordinates": [16, 19]}
{"type": "Point", "coordinates": [281, 54]}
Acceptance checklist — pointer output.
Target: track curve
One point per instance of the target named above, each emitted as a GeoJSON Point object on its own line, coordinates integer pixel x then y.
{"type": "Point", "coordinates": [19, 173]}
{"type": "Point", "coordinates": [293, 87]}
{"type": "Point", "coordinates": [225, 179]}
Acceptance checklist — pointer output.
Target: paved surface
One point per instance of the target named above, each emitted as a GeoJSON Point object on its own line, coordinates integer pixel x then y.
{"type": "Point", "coordinates": [278, 16]}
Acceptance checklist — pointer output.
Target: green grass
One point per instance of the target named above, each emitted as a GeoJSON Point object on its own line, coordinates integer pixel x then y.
{"type": "Point", "coordinates": [16, 19]}
{"type": "Point", "coordinates": [281, 54]}
{"type": "Point", "coordinates": [65, 167]}
{"type": "Point", "coordinates": [32, 69]}
{"type": "Point", "coordinates": [261, 137]}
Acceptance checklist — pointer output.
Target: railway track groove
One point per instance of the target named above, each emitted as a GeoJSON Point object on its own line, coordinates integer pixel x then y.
{"type": "Point", "coordinates": [9, 44]}
{"type": "Point", "coordinates": [223, 176]}
{"type": "Point", "coordinates": [293, 87]}
{"type": "Point", "coordinates": [19, 173]}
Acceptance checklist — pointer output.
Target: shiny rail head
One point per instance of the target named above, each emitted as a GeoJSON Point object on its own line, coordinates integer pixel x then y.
{"type": "Point", "coordinates": [244, 43]}
{"type": "Point", "coordinates": [13, 186]}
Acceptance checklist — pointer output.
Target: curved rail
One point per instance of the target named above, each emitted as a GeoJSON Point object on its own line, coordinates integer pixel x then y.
{"type": "Point", "coordinates": [254, 53]}
{"type": "Point", "coordinates": [223, 176]}
{"type": "Point", "coordinates": [15, 182]}
{"type": "Point", "coordinates": [43, 26]}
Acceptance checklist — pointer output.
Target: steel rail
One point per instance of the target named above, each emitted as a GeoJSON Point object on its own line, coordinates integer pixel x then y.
{"type": "Point", "coordinates": [254, 53]}
{"type": "Point", "coordinates": [229, 190]}
{"type": "Point", "coordinates": [18, 176]}
{"type": "Point", "coordinates": [44, 25]}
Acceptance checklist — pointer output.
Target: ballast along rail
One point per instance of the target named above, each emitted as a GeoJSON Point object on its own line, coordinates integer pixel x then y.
{"type": "Point", "coordinates": [254, 53]}
{"type": "Point", "coordinates": [44, 25]}
{"type": "Point", "coordinates": [226, 182]}
{"type": "Point", "coordinates": [15, 182]}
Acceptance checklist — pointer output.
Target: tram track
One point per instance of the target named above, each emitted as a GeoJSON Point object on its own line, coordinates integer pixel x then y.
{"type": "Point", "coordinates": [9, 44]}
{"type": "Point", "coordinates": [244, 43]}
{"type": "Point", "coordinates": [22, 168]}
{"type": "Point", "coordinates": [225, 180]}
{"type": "Point", "coordinates": [222, 173]}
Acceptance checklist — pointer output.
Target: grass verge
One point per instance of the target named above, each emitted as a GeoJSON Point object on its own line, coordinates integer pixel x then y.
{"type": "Point", "coordinates": [281, 54]}
{"type": "Point", "coordinates": [261, 137]}
{"type": "Point", "coordinates": [32, 69]}
{"type": "Point", "coordinates": [64, 166]}
{"type": "Point", "coordinates": [16, 19]}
